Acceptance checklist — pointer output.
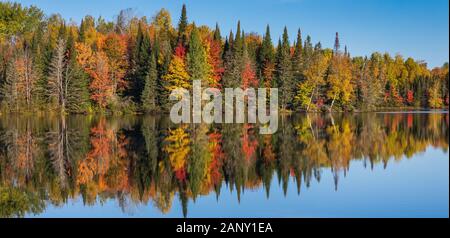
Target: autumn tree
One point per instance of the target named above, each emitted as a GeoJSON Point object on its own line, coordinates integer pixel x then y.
{"type": "Point", "coordinates": [248, 75]}
{"type": "Point", "coordinates": [309, 88]}
{"type": "Point", "coordinates": [96, 65]}
{"type": "Point", "coordinates": [21, 77]}
{"type": "Point", "coordinates": [214, 59]}
{"type": "Point", "coordinates": [60, 76]}
{"type": "Point", "coordinates": [340, 85]}
{"type": "Point", "coordinates": [115, 47]}
{"type": "Point", "coordinates": [177, 76]}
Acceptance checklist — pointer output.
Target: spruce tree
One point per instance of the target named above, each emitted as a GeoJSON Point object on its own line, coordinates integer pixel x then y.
{"type": "Point", "coordinates": [78, 98]}
{"type": "Point", "coordinates": [266, 59]}
{"type": "Point", "coordinates": [217, 36]}
{"type": "Point", "coordinates": [196, 57]}
{"type": "Point", "coordinates": [284, 72]}
{"type": "Point", "coordinates": [238, 41]}
{"type": "Point", "coordinates": [141, 59]}
{"type": "Point", "coordinates": [182, 25]}
{"type": "Point", "coordinates": [149, 96]}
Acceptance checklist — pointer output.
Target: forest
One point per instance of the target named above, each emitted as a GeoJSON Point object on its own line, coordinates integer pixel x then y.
{"type": "Point", "coordinates": [139, 160]}
{"type": "Point", "coordinates": [130, 65]}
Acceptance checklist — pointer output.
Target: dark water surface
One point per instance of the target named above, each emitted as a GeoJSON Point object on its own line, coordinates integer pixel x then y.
{"type": "Point", "coordinates": [355, 165]}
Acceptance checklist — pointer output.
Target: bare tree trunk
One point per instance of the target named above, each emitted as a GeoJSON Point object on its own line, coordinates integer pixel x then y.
{"type": "Point", "coordinates": [310, 98]}
{"type": "Point", "coordinates": [332, 102]}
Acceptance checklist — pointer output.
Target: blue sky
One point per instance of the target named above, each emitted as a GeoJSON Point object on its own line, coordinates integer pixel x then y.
{"type": "Point", "coordinates": [414, 28]}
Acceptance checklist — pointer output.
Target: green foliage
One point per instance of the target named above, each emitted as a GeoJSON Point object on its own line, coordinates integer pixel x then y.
{"type": "Point", "coordinates": [285, 78]}
{"type": "Point", "coordinates": [196, 58]}
{"type": "Point", "coordinates": [149, 94]}
{"type": "Point", "coordinates": [17, 20]}
{"type": "Point", "coordinates": [17, 203]}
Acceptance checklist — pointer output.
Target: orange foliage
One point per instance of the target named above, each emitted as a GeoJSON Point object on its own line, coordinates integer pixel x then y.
{"type": "Point", "coordinates": [215, 61]}
{"type": "Point", "coordinates": [249, 79]}
{"type": "Point", "coordinates": [215, 147]}
{"type": "Point", "coordinates": [268, 151]}
{"type": "Point", "coordinates": [101, 150]}
{"type": "Point", "coordinates": [249, 144]}
{"type": "Point", "coordinates": [115, 47]}
{"type": "Point", "coordinates": [96, 65]}
{"type": "Point", "coordinates": [267, 73]}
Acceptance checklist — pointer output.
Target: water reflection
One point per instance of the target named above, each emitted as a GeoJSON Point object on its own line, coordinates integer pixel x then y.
{"type": "Point", "coordinates": [140, 160]}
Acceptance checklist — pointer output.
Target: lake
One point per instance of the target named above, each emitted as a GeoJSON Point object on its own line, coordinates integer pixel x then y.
{"type": "Point", "coordinates": [393, 164]}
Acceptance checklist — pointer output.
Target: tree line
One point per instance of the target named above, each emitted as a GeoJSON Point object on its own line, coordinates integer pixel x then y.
{"type": "Point", "coordinates": [131, 64]}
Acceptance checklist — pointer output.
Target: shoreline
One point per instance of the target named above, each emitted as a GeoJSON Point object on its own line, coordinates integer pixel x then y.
{"type": "Point", "coordinates": [281, 112]}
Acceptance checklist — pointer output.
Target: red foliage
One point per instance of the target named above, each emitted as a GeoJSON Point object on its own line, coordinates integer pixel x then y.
{"type": "Point", "coordinates": [410, 96]}
{"type": "Point", "coordinates": [249, 144]}
{"type": "Point", "coordinates": [397, 97]}
{"type": "Point", "coordinates": [181, 174]}
{"type": "Point", "coordinates": [319, 102]}
{"type": "Point", "coordinates": [215, 60]}
{"type": "Point", "coordinates": [215, 139]}
{"type": "Point", "coordinates": [249, 79]}
{"type": "Point", "coordinates": [268, 70]}
{"type": "Point", "coordinates": [393, 96]}
{"type": "Point", "coordinates": [180, 51]}
{"type": "Point", "coordinates": [409, 120]}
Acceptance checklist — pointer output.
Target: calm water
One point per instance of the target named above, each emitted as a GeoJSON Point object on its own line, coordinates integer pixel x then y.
{"type": "Point", "coordinates": [362, 165]}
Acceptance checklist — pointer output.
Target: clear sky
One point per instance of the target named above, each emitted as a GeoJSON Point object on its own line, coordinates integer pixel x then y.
{"type": "Point", "coordinates": [414, 28]}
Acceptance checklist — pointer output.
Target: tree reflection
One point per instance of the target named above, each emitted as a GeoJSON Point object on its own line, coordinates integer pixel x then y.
{"type": "Point", "coordinates": [137, 160]}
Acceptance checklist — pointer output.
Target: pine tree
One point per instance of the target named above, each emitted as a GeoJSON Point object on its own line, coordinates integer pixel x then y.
{"type": "Point", "coordinates": [233, 61]}
{"type": "Point", "coordinates": [141, 58]}
{"type": "Point", "coordinates": [149, 96]}
{"type": "Point", "coordinates": [78, 100]}
{"type": "Point", "coordinates": [266, 59]}
{"type": "Point", "coordinates": [337, 45]}
{"type": "Point", "coordinates": [238, 42]}
{"type": "Point", "coordinates": [217, 36]}
{"type": "Point", "coordinates": [298, 56]}
{"type": "Point", "coordinates": [182, 25]}
{"type": "Point", "coordinates": [196, 58]}
{"type": "Point", "coordinates": [284, 72]}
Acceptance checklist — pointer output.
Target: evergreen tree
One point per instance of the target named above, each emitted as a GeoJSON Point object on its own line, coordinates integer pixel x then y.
{"type": "Point", "coordinates": [337, 45]}
{"type": "Point", "coordinates": [149, 96]}
{"type": "Point", "coordinates": [284, 72]}
{"type": "Point", "coordinates": [141, 59]}
{"type": "Point", "coordinates": [78, 88]}
{"type": "Point", "coordinates": [182, 25]}
{"type": "Point", "coordinates": [196, 58]}
{"type": "Point", "coordinates": [298, 56]}
{"type": "Point", "coordinates": [238, 42]}
{"type": "Point", "coordinates": [266, 59]}
{"type": "Point", "coordinates": [217, 36]}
